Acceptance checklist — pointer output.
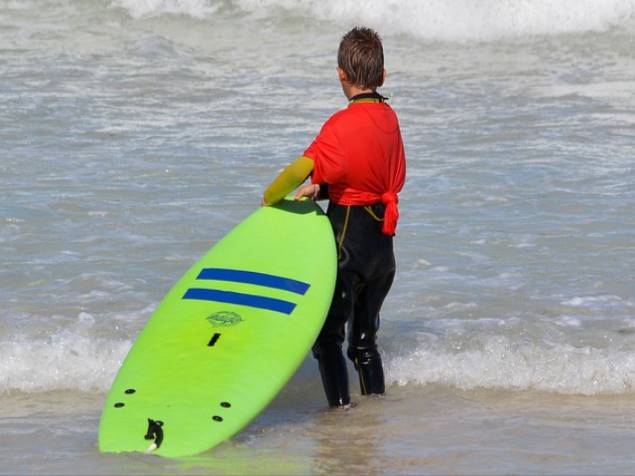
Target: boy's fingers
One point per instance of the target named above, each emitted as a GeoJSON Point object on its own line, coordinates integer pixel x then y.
{"type": "Point", "coordinates": [301, 192]}
{"type": "Point", "coordinates": [310, 191]}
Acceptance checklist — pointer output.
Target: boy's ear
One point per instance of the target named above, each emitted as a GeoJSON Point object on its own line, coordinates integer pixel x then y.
{"type": "Point", "coordinates": [341, 74]}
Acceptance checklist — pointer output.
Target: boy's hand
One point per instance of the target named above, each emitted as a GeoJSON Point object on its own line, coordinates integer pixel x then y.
{"type": "Point", "coordinates": [312, 191]}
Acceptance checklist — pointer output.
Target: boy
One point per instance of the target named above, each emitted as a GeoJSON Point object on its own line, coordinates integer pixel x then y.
{"type": "Point", "coordinates": [358, 160]}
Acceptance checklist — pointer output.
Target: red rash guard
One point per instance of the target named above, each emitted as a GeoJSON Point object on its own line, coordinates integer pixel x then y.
{"type": "Point", "coordinates": [360, 154]}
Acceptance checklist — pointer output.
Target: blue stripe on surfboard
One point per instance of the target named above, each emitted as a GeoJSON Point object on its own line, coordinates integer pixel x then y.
{"type": "Point", "coordinates": [251, 277]}
{"type": "Point", "coordinates": [260, 302]}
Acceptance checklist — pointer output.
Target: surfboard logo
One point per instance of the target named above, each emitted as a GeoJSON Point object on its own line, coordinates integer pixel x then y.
{"type": "Point", "coordinates": [224, 319]}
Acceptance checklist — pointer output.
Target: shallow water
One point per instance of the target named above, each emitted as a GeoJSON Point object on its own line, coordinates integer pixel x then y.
{"type": "Point", "coordinates": [413, 430]}
{"type": "Point", "coordinates": [135, 134]}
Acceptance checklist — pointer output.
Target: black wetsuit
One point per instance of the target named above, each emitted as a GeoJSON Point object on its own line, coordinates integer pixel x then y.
{"type": "Point", "coordinates": [366, 267]}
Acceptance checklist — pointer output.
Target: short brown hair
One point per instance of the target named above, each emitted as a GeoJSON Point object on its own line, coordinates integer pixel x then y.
{"type": "Point", "coordinates": [361, 56]}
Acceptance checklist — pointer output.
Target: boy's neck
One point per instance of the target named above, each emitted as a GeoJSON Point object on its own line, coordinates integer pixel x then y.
{"type": "Point", "coordinates": [352, 91]}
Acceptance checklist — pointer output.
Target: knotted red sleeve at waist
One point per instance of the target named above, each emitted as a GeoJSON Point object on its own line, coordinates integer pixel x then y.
{"type": "Point", "coordinates": [391, 213]}
{"type": "Point", "coordinates": [350, 196]}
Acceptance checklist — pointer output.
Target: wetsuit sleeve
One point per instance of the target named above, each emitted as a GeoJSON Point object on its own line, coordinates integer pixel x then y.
{"type": "Point", "coordinates": [292, 176]}
{"type": "Point", "coordinates": [328, 156]}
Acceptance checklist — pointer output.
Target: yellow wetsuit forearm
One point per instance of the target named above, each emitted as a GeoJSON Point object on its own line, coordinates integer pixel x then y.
{"type": "Point", "coordinates": [292, 176]}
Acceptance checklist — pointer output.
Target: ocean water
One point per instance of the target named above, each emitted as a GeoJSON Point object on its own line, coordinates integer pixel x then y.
{"type": "Point", "coordinates": [135, 133]}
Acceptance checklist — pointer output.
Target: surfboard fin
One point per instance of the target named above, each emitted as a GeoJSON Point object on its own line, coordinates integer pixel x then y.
{"type": "Point", "coordinates": [155, 432]}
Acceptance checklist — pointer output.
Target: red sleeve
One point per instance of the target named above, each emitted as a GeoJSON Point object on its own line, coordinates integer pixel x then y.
{"type": "Point", "coordinates": [328, 156]}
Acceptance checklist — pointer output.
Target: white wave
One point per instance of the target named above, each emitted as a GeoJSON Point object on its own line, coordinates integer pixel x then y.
{"type": "Point", "coordinates": [500, 363]}
{"type": "Point", "coordinates": [150, 8]}
{"type": "Point", "coordinates": [597, 302]}
{"type": "Point", "coordinates": [69, 360]}
{"type": "Point", "coordinates": [431, 19]}
{"type": "Point", "coordinates": [64, 361]}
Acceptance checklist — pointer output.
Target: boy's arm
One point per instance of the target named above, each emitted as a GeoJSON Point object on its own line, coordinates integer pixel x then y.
{"type": "Point", "coordinates": [292, 176]}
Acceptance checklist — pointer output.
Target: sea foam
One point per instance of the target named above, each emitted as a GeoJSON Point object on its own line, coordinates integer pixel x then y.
{"type": "Point", "coordinates": [149, 8]}
{"type": "Point", "coordinates": [66, 360]}
{"type": "Point", "coordinates": [72, 361]}
{"type": "Point", "coordinates": [499, 362]}
{"type": "Point", "coordinates": [451, 20]}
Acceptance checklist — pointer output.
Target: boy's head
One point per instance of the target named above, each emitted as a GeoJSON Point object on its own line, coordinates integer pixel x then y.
{"type": "Point", "coordinates": [361, 58]}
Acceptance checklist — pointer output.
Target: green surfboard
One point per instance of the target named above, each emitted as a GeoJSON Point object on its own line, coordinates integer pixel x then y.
{"type": "Point", "coordinates": [227, 337]}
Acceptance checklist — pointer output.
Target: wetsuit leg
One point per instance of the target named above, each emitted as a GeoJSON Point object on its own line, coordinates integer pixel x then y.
{"type": "Point", "coordinates": [366, 267]}
{"type": "Point", "coordinates": [328, 346]}
{"type": "Point", "coordinates": [362, 348]}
